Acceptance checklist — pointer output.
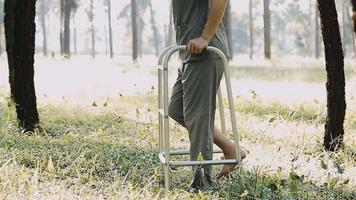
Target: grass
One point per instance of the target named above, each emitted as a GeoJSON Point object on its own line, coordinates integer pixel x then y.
{"type": "Point", "coordinates": [100, 154]}
{"type": "Point", "coordinates": [107, 148]}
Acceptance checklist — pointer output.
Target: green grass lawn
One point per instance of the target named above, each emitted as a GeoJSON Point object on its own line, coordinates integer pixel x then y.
{"type": "Point", "coordinates": [105, 147]}
{"type": "Point", "coordinates": [95, 152]}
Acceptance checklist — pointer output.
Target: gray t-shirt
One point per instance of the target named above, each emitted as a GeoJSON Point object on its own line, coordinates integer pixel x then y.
{"type": "Point", "coordinates": [190, 17]}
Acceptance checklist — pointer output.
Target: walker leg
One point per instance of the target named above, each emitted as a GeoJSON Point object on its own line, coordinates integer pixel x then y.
{"type": "Point", "coordinates": [232, 114]}
{"type": "Point", "coordinates": [221, 111]}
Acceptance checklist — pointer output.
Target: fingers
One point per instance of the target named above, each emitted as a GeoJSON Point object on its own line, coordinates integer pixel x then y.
{"type": "Point", "coordinates": [192, 47]}
{"type": "Point", "coordinates": [196, 46]}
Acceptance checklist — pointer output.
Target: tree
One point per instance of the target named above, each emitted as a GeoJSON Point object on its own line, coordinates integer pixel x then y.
{"type": "Point", "coordinates": [336, 104]}
{"type": "Point", "coordinates": [353, 3]}
{"type": "Point", "coordinates": [134, 30]}
{"type": "Point", "coordinates": [43, 11]}
{"type": "Point", "coordinates": [267, 28]}
{"type": "Point", "coordinates": [67, 7]}
{"type": "Point", "coordinates": [20, 45]}
{"type": "Point", "coordinates": [317, 34]}
{"type": "Point", "coordinates": [251, 28]}
{"type": "Point", "coordinates": [1, 25]}
{"type": "Point", "coordinates": [90, 13]}
{"type": "Point", "coordinates": [108, 3]}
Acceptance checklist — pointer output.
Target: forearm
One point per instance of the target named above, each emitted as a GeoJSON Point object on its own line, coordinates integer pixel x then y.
{"type": "Point", "coordinates": [216, 13]}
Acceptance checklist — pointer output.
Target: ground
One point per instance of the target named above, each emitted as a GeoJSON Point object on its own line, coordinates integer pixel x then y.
{"type": "Point", "coordinates": [101, 117]}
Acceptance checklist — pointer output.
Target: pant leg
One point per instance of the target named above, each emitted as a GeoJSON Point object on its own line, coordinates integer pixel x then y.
{"type": "Point", "coordinates": [200, 81]}
{"type": "Point", "coordinates": [175, 109]}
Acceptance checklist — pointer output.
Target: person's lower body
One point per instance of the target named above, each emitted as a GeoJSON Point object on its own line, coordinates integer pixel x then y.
{"type": "Point", "coordinates": [192, 105]}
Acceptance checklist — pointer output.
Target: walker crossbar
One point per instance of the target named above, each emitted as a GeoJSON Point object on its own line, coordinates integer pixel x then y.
{"type": "Point", "coordinates": [163, 117]}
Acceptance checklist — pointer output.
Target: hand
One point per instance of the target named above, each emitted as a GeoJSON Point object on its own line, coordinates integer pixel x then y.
{"type": "Point", "coordinates": [197, 45]}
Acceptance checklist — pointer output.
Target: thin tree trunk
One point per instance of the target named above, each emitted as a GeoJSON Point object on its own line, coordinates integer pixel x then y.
{"type": "Point", "coordinates": [154, 29]}
{"type": "Point", "coordinates": [140, 25]}
{"type": "Point", "coordinates": [61, 29]}
{"type": "Point", "coordinates": [20, 46]}
{"type": "Point", "coordinates": [353, 3]}
{"type": "Point", "coordinates": [1, 50]}
{"type": "Point", "coordinates": [92, 28]}
{"type": "Point", "coordinates": [66, 34]}
{"type": "Point", "coordinates": [75, 45]}
{"type": "Point", "coordinates": [251, 28]}
{"type": "Point", "coordinates": [311, 38]}
{"type": "Point", "coordinates": [336, 104]}
{"type": "Point", "coordinates": [170, 27]}
{"type": "Point", "coordinates": [343, 28]}
{"type": "Point", "coordinates": [267, 28]}
{"type": "Point", "coordinates": [43, 25]}
{"type": "Point", "coordinates": [134, 30]}
{"type": "Point", "coordinates": [110, 30]}
{"type": "Point", "coordinates": [317, 33]}
{"type": "Point", "coordinates": [353, 34]}
{"type": "Point", "coordinates": [227, 25]}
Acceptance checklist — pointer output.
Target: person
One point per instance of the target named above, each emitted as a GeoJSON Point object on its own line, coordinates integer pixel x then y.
{"type": "Point", "coordinates": [193, 101]}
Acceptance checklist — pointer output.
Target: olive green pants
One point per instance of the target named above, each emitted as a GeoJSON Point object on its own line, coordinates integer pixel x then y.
{"type": "Point", "coordinates": [192, 105]}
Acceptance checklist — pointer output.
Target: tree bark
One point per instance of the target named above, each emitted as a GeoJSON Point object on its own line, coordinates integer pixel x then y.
{"type": "Point", "coordinates": [110, 30]}
{"type": "Point", "coordinates": [154, 29]}
{"type": "Point", "coordinates": [317, 33]}
{"type": "Point", "coordinates": [251, 28]}
{"type": "Point", "coordinates": [20, 46]}
{"type": "Point", "coordinates": [343, 28]}
{"type": "Point", "coordinates": [91, 18]}
{"type": "Point", "coordinates": [61, 27]}
{"type": "Point", "coordinates": [66, 31]}
{"type": "Point", "coordinates": [1, 50]}
{"type": "Point", "coordinates": [43, 25]}
{"type": "Point", "coordinates": [267, 28]}
{"type": "Point", "coordinates": [336, 104]}
{"type": "Point", "coordinates": [134, 30]}
{"type": "Point", "coordinates": [353, 3]}
{"type": "Point", "coordinates": [353, 33]}
{"type": "Point", "coordinates": [75, 45]}
{"type": "Point", "coordinates": [228, 29]}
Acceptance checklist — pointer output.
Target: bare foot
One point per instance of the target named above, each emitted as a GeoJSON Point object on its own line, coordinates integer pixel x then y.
{"type": "Point", "coordinates": [226, 169]}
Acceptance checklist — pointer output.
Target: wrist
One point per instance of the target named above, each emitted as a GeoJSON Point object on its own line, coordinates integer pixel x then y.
{"type": "Point", "coordinates": [206, 37]}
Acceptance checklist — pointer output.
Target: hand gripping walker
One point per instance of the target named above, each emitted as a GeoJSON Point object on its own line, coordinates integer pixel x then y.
{"type": "Point", "coordinates": [164, 149]}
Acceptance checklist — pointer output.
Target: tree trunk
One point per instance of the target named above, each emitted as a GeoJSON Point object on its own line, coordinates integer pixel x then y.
{"type": "Point", "coordinates": [343, 28]}
{"type": "Point", "coordinates": [66, 32]}
{"type": "Point", "coordinates": [1, 50]}
{"type": "Point", "coordinates": [353, 3]}
{"type": "Point", "coordinates": [336, 104]}
{"type": "Point", "coordinates": [91, 18]}
{"type": "Point", "coordinates": [170, 27]}
{"type": "Point", "coordinates": [134, 30]}
{"type": "Point", "coordinates": [317, 33]}
{"type": "Point", "coordinates": [228, 28]}
{"type": "Point", "coordinates": [110, 30]}
{"type": "Point", "coordinates": [43, 25]}
{"type": "Point", "coordinates": [61, 40]}
{"type": "Point", "coordinates": [154, 29]}
{"type": "Point", "coordinates": [353, 33]}
{"type": "Point", "coordinates": [20, 46]}
{"type": "Point", "coordinates": [251, 29]}
{"type": "Point", "coordinates": [75, 45]}
{"type": "Point", "coordinates": [267, 28]}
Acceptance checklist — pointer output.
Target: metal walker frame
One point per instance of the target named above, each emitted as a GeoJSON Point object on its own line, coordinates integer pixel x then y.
{"type": "Point", "coordinates": [163, 102]}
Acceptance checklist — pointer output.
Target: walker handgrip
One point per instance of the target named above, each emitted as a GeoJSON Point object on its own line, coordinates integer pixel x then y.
{"type": "Point", "coordinates": [169, 51]}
